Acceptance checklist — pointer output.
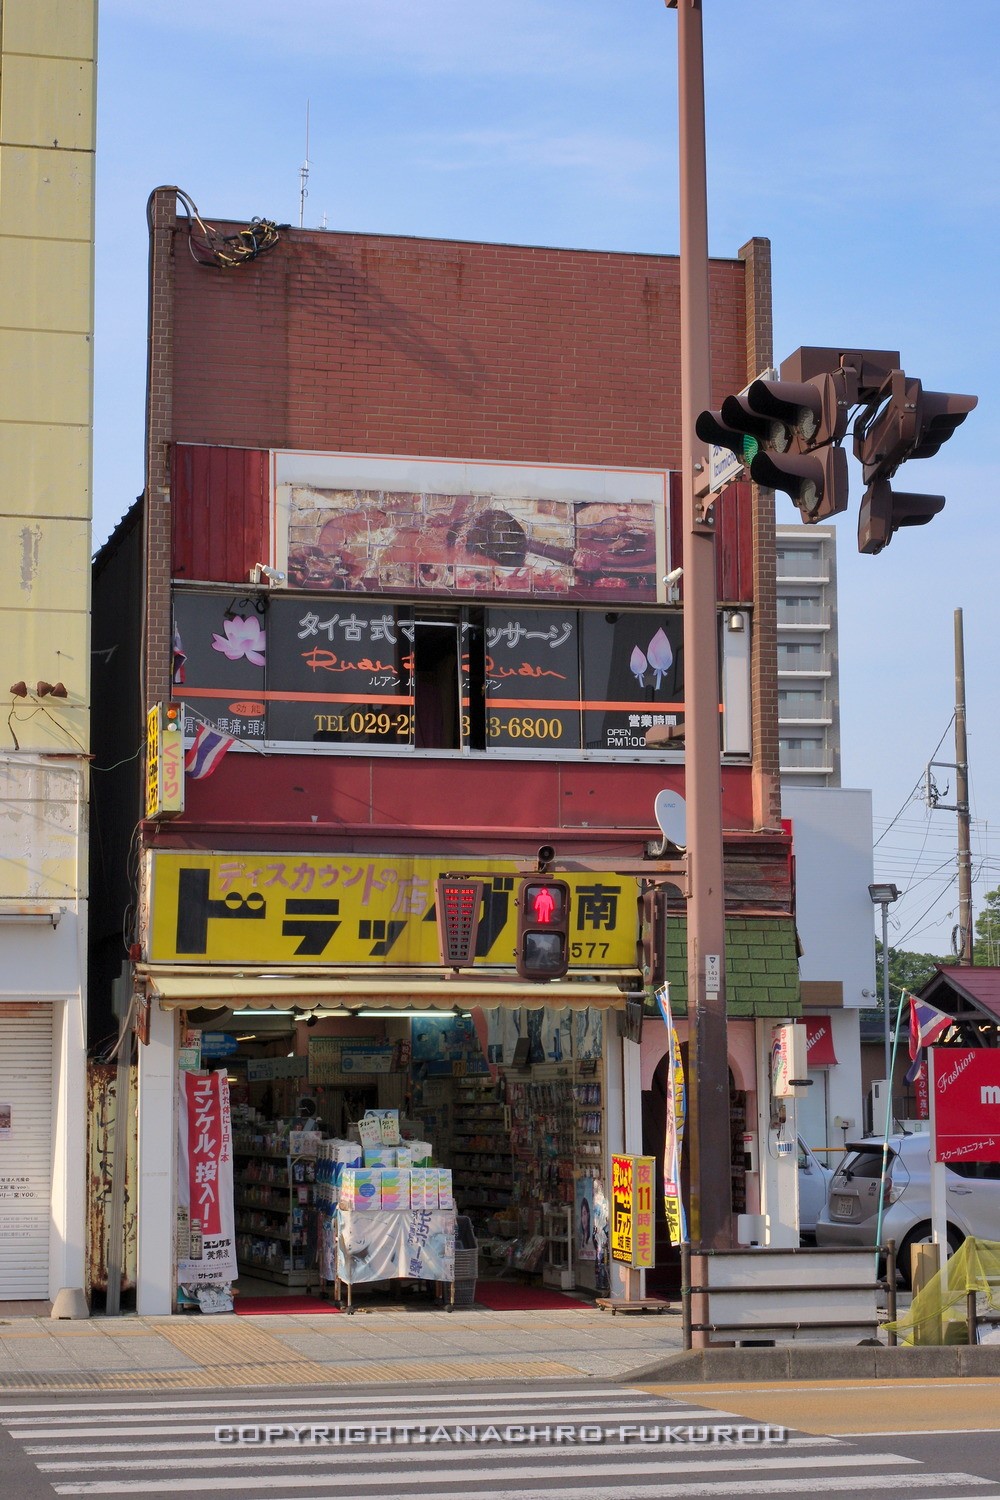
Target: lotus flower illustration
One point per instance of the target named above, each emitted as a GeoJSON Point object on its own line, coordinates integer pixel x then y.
{"type": "Point", "coordinates": [638, 664]}
{"type": "Point", "coordinates": [660, 656]}
{"type": "Point", "coordinates": [243, 637]}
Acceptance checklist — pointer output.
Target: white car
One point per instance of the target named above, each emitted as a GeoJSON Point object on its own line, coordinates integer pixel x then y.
{"type": "Point", "coordinates": [814, 1185]}
{"type": "Point", "coordinates": [851, 1214]}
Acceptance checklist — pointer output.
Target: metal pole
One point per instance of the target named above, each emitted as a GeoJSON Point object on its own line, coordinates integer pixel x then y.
{"type": "Point", "coordinates": [711, 1188]}
{"type": "Point", "coordinates": [885, 1000]}
{"type": "Point", "coordinates": [962, 799]}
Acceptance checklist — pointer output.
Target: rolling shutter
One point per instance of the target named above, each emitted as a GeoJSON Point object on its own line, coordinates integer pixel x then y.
{"type": "Point", "coordinates": [25, 1150]}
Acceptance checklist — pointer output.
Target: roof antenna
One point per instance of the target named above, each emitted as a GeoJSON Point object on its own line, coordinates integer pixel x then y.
{"type": "Point", "coordinates": [304, 175]}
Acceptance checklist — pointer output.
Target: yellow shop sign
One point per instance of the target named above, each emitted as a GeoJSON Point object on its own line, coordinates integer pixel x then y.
{"type": "Point", "coordinates": [363, 910]}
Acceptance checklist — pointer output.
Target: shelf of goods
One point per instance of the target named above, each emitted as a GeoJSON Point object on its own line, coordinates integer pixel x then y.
{"type": "Point", "coordinates": [275, 1220]}
{"type": "Point", "coordinates": [480, 1150]}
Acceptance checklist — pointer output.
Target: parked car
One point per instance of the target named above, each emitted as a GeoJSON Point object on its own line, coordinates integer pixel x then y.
{"type": "Point", "coordinates": [814, 1185]}
{"type": "Point", "coordinates": [851, 1213]}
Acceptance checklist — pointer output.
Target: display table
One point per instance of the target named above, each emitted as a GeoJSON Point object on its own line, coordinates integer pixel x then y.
{"type": "Point", "coordinates": [390, 1245]}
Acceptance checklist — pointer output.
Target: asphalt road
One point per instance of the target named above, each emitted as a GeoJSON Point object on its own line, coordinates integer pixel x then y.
{"type": "Point", "coordinates": [581, 1440]}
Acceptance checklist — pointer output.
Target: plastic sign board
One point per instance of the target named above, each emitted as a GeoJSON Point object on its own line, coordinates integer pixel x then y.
{"type": "Point", "coordinates": [789, 1061]}
{"type": "Point", "coordinates": [165, 761]}
{"type": "Point", "coordinates": [965, 1103]}
{"type": "Point", "coordinates": [372, 910]}
{"type": "Point", "coordinates": [632, 1228]}
{"type": "Point", "coordinates": [459, 903]}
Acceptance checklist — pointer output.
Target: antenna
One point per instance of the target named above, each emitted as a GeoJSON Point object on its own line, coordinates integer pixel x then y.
{"type": "Point", "coordinates": [304, 175]}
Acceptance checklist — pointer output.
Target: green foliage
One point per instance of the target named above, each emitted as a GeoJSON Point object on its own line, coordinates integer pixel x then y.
{"type": "Point", "coordinates": [908, 972]}
{"type": "Point", "coordinates": [986, 948]}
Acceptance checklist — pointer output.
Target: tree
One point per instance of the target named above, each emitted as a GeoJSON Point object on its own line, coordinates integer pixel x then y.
{"type": "Point", "coordinates": [908, 972]}
{"type": "Point", "coordinates": [986, 948]}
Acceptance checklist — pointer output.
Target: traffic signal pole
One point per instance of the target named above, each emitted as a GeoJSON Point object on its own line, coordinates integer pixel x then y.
{"type": "Point", "coordinates": [708, 1139]}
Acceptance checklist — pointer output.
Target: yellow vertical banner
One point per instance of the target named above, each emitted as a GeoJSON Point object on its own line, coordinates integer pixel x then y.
{"type": "Point", "coordinates": [621, 1209]}
{"type": "Point", "coordinates": [632, 1231]}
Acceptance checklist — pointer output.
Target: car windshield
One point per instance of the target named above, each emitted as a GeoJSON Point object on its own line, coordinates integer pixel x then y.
{"type": "Point", "coordinates": [864, 1164]}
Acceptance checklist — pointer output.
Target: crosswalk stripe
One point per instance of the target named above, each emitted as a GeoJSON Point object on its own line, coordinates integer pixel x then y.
{"type": "Point", "coordinates": [387, 1454]}
{"type": "Point", "coordinates": [609, 1470]}
{"type": "Point", "coordinates": [515, 1416]}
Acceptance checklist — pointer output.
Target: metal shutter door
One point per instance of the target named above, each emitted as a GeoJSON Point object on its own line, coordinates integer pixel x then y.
{"type": "Point", "coordinates": [25, 1150]}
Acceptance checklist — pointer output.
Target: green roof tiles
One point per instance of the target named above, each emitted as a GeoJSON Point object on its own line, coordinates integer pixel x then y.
{"type": "Point", "coordinates": [762, 969]}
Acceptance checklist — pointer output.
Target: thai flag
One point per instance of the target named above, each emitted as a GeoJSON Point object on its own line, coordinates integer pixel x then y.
{"type": "Point", "coordinates": [927, 1025]}
{"type": "Point", "coordinates": [207, 750]}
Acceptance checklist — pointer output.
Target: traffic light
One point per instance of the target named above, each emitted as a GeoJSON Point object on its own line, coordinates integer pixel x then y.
{"type": "Point", "coordinates": [459, 903]}
{"type": "Point", "coordinates": [790, 434]}
{"type": "Point", "coordinates": [883, 511]}
{"type": "Point", "coordinates": [652, 954]}
{"type": "Point", "coordinates": [543, 911]}
{"type": "Point", "coordinates": [902, 421]}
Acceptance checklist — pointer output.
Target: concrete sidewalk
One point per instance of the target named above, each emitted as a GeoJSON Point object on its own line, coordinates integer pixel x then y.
{"type": "Point", "coordinates": [385, 1345]}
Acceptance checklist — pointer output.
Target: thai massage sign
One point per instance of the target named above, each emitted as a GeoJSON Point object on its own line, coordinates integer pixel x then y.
{"type": "Point", "coordinates": [965, 1103]}
{"type": "Point", "coordinates": [632, 1223]}
{"type": "Point", "coordinates": [378, 910]}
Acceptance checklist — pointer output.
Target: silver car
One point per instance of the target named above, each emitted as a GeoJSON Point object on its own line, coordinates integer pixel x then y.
{"type": "Point", "coordinates": [851, 1213]}
{"type": "Point", "coordinates": [814, 1186]}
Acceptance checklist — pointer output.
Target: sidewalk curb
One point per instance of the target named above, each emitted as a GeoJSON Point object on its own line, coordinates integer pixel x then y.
{"type": "Point", "coordinates": [819, 1362]}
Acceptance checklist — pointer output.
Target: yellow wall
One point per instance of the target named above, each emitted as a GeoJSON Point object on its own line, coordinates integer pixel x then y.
{"type": "Point", "coordinates": [47, 132]}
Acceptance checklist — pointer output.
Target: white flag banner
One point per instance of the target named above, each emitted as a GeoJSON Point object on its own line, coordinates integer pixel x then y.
{"type": "Point", "coordinates": [206, 1224]}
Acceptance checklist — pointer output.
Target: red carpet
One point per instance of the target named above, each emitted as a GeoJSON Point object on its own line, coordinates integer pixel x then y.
{"type": "Point", "coordinates": [515, 1296]}
{"type": "Point", "coordinates": [257, 1307]}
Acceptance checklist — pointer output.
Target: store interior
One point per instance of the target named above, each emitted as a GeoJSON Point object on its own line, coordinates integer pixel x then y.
{"type": "Point", "coordinates": [509, 1102]}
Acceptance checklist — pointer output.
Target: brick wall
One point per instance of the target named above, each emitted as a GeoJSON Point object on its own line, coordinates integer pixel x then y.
{"type": "Point", "coordinates": [386, 344]}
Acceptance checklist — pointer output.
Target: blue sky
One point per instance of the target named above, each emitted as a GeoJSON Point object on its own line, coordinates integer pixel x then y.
{"type": "Point", "coordinates": [862, 139]}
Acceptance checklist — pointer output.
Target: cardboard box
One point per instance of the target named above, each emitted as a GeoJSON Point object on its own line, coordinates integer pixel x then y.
{"type": "Point", "coordinates": [383, 1156]}
{"type": "Point", "coordinates": [360, 1188]}
{"type": "Point", "coordinates": [395, 1188]}
{"type": "Point", "coordinates": [445, 1195]}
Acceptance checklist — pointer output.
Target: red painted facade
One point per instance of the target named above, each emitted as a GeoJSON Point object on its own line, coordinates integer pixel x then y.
{"type": "Point", "coordinates": [386, 345]}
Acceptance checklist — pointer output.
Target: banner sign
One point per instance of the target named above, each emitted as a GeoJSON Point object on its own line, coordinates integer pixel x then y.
{"type": "Point", "coordinates": [675, 1110]}
{"type": "Point", "coordinates": [386, 1244]}
{"type": "Point", "coordinates": [206, 1238]}
{"type": "Point", "coordinates": [377, 524]}
{"type": "Point", "coordinates": [632, 1227]}
{"type": "Point", "coordinates": [164, 761]}
{"type": "Point", "coordinates": [965, 1116]}
{"type": "Point", "coordinates": [557, 678]}
{"type": "Point", "coordinates": [355, 910]}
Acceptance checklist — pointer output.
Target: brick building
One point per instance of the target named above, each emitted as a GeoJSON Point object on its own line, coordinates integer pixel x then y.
{"type": "Point", "coordinates": [408, 514]}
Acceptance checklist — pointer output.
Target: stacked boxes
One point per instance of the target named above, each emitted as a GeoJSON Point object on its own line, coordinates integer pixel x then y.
{"type": "Point", "coordinates": [369, 1188]}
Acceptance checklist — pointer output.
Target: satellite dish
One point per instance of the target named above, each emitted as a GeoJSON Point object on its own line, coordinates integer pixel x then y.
{"type": "Point", "coordinates": [671, 815]}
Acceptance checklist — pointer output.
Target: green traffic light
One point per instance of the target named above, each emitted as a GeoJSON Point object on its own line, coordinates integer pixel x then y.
{"type": "Point", "coordinates": [751, 447]}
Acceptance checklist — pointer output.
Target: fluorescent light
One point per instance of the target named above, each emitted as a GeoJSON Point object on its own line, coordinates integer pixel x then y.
{"type": "Point", "coordinates": [391, 1011]}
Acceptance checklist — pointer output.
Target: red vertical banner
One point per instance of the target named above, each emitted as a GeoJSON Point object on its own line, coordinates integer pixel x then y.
{"type": "Point", "coordinates": [920, 1091]}
{"type": "Point", "coordinates": [206, 1236]}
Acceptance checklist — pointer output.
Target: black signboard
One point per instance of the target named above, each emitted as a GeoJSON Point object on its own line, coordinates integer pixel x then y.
{"type": "Point", "coordinates": [532, 679]}
{"type": "Point", "coordinates": [339, 672]}
{"type": "Point", "coordinates": [633, 677]}
{"type": "Point", "coordinates": [219, 650]}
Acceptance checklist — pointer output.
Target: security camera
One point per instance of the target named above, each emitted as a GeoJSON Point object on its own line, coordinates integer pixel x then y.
{"type": "Point", "coordinates": [261, 572]}
{"type": "Point", "coordinates": [674, 576]}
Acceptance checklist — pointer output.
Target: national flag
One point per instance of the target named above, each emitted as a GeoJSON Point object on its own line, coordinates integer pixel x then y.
{"type": "Point", "coordinates": [927, 1026]}
{"type": "Point", "coordinates": [178, 658]}
{"type": "Point", "coordinates": [207, 750]}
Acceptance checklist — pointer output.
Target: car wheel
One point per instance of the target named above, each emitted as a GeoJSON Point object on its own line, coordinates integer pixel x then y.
{"type": "Point", "coordinates": [921, 1234]}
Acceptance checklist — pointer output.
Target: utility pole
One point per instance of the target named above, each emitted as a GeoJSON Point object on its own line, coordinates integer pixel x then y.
{"type": "Point", "coordinates": [708, 1063]}
{"type": "Point", "coordinates": [962, 799]}
{"type": "Point", "coordinates": [962, 936]}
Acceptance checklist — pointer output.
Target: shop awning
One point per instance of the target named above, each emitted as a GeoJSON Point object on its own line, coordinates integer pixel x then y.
{"type": "Point", "coordinates": [819, 1042]}
{"type": "Point", "coordinates": [179, 990]}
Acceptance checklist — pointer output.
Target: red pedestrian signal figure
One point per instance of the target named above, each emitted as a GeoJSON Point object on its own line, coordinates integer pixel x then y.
{"type": "Point", "coordinates": [543, 909]}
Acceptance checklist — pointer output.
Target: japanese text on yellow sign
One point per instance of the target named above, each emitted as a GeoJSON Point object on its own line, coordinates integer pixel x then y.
{"type": "Point", "coordinates": [372, 910]}
{"type": "Point", "coordinates": [632, 1224]}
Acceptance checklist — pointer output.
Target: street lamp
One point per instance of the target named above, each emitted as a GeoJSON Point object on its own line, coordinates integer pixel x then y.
{"type": "Point", "coordinates": [884, 895]}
